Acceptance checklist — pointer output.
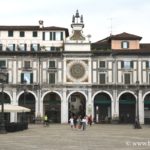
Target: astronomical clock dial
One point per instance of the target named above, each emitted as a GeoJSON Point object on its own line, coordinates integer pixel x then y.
{"type": "Point", "coordinates": [77, 71]}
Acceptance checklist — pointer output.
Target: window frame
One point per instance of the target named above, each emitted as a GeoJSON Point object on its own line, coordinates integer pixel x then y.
{"type": "Point", "coordinates": [125, 44]}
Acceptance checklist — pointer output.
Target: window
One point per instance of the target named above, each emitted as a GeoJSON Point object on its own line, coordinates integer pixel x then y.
{"type": "Point", "coordinates": [1, 47]}
{"type": "Point", "coordinates": [147, 64]}
{"type": "Point", "coordinates": [102, 78]}
{"type": "Point", "coordinates": [125, 44]}
{"type": "Point", "coordinates": [35, 47]}
{"type": "Point", "coordinates": [102, 64]}
{"type": "Point", "coordinates": [27, 76]}
{"type": "Point", "coordinates": [22, 34]}
{"type": "Point", "coordinates": [27, 64]}
{"type": "Point", "coordinates": [127, 64]}
{"type": "Point", "coordinates": [11, 47]}
{"type": "Point", "coordinates": [22, 47]}
{"type": "Point", "coordinates": [2, 63]}
{"type": "Point", "coordinates": [61, 36]}
{"type": "Point", "coordinates": [52, 64]}
{"type": "Point", "coordinates": [10, 33]}
{"type": "Point", "coordinates": [51, 78]}
{"type": "Point", "coordinates": [127, 78]}
{"type": "Point", "coordinates": [34, 33]}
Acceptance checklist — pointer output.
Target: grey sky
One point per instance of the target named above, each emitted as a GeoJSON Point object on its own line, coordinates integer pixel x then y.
{"type": "Point", "coordinates": [131, 16]}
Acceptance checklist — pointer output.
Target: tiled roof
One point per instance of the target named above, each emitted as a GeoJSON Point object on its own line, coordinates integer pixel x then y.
{"type": "Point", "coordinates": [125, 36]}
{"type": "Point", "coordinates": [33, 28]}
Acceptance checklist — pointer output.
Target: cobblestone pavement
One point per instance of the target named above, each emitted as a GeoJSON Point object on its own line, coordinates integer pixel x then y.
{"type": "Point", "coordinates": [61, 137]}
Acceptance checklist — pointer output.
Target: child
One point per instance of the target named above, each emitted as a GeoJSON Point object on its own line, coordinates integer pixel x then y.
{"type": "Point", "coordinates": [71, 122]}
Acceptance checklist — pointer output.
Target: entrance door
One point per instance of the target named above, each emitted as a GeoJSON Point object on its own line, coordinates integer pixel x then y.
{"type": "Point", "coordinates": [77, 105]}
{"type": "Point", "coordinates": [102, 108]}
{"type": "Point", "coordinates": [52, 107]}
{"type": "Point", "coordinates": [147, 109]}
{"type": "Point", "coordinates": [127, 105]}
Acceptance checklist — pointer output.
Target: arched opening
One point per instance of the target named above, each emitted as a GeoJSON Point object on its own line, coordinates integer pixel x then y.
{"type": "Point", "coordinates": [27, 100]}
{"type": "Point", "coordinates": [52, 107]}
{"type": "Point", "coordinates": [102, 108]}
{"type": "Point", "coordinates": [127, 108]}
{"type": "Point", "coordinates": [6, 101]}
{"type": "Point", "coordinates": [77, 105]}
{"type": "Point", "coordinates": [147, 109]}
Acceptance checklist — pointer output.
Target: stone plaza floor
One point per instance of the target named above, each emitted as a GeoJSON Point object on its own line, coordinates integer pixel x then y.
{"type": "Point", "coordinates": [61, 137]}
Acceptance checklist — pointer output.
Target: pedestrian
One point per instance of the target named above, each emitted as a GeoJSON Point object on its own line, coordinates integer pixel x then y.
{"type": "Point", "coordinates": [71, 121]}
{"type": "Point", "coordinates": [90, 120]}
{"type": "Point", "coordinates": [75, 121]}
{"type": "Point", "coordinates": [84, 123]}
{"type": "Point", "coordinates": [46, 120]}
{"type": "Point", "coordinates": [79, 122]}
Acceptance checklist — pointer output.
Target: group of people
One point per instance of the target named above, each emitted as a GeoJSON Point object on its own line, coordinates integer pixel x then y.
{"type": "Point", "coordinates": [79, 122]}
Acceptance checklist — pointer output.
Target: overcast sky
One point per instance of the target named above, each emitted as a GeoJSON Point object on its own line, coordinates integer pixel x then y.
{"type": "Point", "coordinates": [101, 17]}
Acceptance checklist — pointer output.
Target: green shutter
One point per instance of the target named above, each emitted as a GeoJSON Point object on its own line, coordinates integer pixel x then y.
{"type": "Point", "coordinates": [131, 63]}
{"type": "Point", "coordinates": [31, 78]}
{"type": "Point", "coordinates": [51, 36]}
{"type": "Point", "coordinates": [61, 36]}
{"type": "Point", "coordinates": [122, 44]}
{"type": "Point", "coordinates": [31, 47]}
{"type": "Point", "coordinates": [43, 36]}
{"type": "Point", "coordinates": [22, 77]}
{"type": "Point", "coordinates": [54, 36]}
{"type": "Point", "coordinates": [52, 78]}
{"type": "Point", "coordinates": [13, 47]}
{"type": "Point", "coordinates": [7, 80]}
{"type": "Point", "coordinates": [2, 63]}
{"type": "Point", "coordinates": [25, 47]}
{"type": "Point", "coordinates": [127, 44]}
{"type": "Point", "coordinates": [122, 64]}
{"type": "Point", "coordinates": [147, 64]}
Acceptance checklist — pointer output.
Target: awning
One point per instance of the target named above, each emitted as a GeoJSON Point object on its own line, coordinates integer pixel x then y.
{"type": "Point", "coordinates": [102, 101]}
{"type": "Point", "coordinates": [14, 108]}
{"type": "Point", "coordinates": [126, 101]}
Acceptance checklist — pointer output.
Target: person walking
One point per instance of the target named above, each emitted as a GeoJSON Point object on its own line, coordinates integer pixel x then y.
{"type": "Point", "coordinates": [46, 120]}
{"type": "Point", "coordinates": [71, 121]}
{"type": "Point", "coordinates": [90, 120]}
{"type": "Point", "coordinates": [84, 123]}
{"type": "Point", "coordinates": [79, 122]}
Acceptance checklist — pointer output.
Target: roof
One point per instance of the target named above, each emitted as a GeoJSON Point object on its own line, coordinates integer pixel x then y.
{"type": "Point", "coordinates": [33, 28]}
{"type": "Point", "coordinates": [125, 36]}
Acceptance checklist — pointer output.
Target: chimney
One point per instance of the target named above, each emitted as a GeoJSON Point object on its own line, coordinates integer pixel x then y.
{"type": "Point", "coordinates": [41, 22]}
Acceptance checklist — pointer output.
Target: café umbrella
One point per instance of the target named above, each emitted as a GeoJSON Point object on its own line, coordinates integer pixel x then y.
{"type": "Point", "coordinates": [14, 108]}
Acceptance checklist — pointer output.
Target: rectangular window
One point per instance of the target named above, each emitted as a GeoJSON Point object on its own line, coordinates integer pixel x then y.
{"type": "Point", "coordinates": [51, 78]}
{"type": "Point", "coordinates": [61, 36]}
{"type": "Point", "coordinates": [127, 78]}
{"type": "Point", "coordinates": [58, 36]}
{"type": "Point", "coordinates": [102, 78]}
{"type": "Point", "coordinates": [127, 64]}
{"type": "Point", "coordinates": [35, 34]}
{"type": "Point", "coordinates": [10, 33]}
{"type": "Point", "coordinates": [2, 63]}
{"type": "Point", "coordinates": [54, 36]}
{"type": "Point", "coordinates": [11, 47]}
{"type": "Point", "coordinates": [27, 76]}
{"type": "Point", "coordinates": [43, 36]}
{"type": "Point", "coordinates": [52, 64]}
{"type": "Point", "coordinates": [35, 47]}
{"type": "Point", "coordinates": [51, 37]}
{"type": "Point", "coordinates": [47, 36]}
{"type": "Point", "coordinates": [1, 47]}
{"type": "Point", "coordinates": [102, 64]}
{"type": "Point", "coordinates": [125, 44]}
{"type": "Point", "coordinates": [22, 47]}
{"type": "Point", "coordinates": [22, 34]}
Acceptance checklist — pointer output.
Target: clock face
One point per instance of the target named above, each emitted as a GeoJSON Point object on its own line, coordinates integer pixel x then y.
{"type": "Point", "coordinates": [77, 71]}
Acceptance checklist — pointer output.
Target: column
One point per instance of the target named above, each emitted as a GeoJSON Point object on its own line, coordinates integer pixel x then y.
{"type": "Point", "coordinates": [141, 108]}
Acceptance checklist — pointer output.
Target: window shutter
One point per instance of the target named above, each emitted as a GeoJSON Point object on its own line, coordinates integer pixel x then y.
{"type": "Point", "coordinates": [31, 47]}
{"type": "Point", "coordinates": [61, 36]}
{"type": "Point", "coordinates": [31, 78]}
{"type": "Point", "coordinates": [54, 36]}
{"type": "Point", "coordinates": [13, 47]}
{"type": "Point", "coordinates": [1, 47]}
{"type": "Point", "coordinates": [2, 64]}
{"type": "Point", "coordinates": [52, 78]}
{"type": "Point", "coordinates": [102, 79]}
{"type": "Point", "coordinates": [22, 77]}
{"type": "Point", "coordinates": [50, 36]}
{"type": "Point", "coordinates": [127, 44]}
{"type": "Point", "coordinates": [131, 63]}
{"type": "Point", "coordinates": [127, 78]}
{"type": "Point", "coordinates": [147, 64]}
{"type": "Point", "coordinates": [38, 47]}
{"type": "Point", "coordinates": [7, 80]}
{"type": "Point", "coordinates": [43, 36]}
{"type": "Point", "coordinates": [25, 47]}
{"type": "Point", "coordinates": [122, 64]}
{"type": "Point", "coordinates": [122, 44]}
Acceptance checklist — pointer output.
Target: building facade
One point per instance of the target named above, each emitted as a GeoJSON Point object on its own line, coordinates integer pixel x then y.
{"type": "Point", "coordinates": [54, 73]}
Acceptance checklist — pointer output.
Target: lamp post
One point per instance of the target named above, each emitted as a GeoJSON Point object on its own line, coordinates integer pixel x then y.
{"type": "Point", "coordinates": [24, 98]}
{"type": "Point", "coordinates": [3, 78]}
{"type": "Point", "coordinates": [137, 122]}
